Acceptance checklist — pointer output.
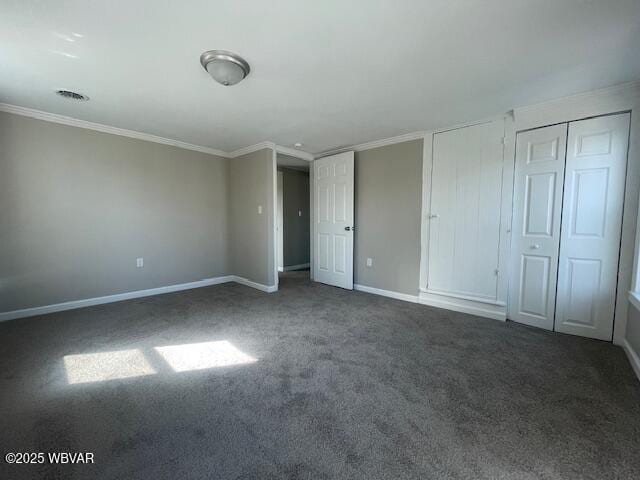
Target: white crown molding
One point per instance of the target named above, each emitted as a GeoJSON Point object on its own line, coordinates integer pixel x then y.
{"type": "Point", "coordinates": [407, 137]}
{"type": "Point", "coordinates": [629, 88]}
{"type": "Point", "coordinates": [123, 132]}
{"type": "Point", "coordinates": [99, 127]}
{"type": "Point", "coordinates": [251, 148]}
{"type": "Point", "coordinates": [292, 152]}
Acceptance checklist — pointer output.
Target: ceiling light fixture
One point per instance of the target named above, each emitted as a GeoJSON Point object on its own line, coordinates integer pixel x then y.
{"type": "Point", "coordinates": [225, 67]}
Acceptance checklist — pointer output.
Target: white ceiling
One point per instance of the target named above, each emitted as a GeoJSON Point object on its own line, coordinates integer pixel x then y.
{"type": "Point", "coordinates": [327, 73]}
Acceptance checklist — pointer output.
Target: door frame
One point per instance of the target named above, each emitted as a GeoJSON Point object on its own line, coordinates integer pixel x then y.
{"type": "Point", "coordinates": [618, 99]}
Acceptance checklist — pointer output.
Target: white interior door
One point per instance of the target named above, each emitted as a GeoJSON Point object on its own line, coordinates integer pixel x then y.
{"type": "Point", "coordinates": [591, 225]}
{"type": "Point", "coordinates": [464, 223]}
{"type": "Point", "coordinates": [537, 203]}
{"type": "Point", "coordinates": [333, 242]}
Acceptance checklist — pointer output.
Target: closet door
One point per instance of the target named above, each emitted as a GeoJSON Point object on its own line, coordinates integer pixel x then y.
{"type": "Point", "coordinates": [537, 200]}
{"type": "Point", "coordinates": [464, 227]}
{"type": "Point", "coordinates": [591, 225]}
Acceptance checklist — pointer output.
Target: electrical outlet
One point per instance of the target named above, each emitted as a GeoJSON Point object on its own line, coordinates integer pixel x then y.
{"type": "Point", "coordinates": [140, 262]}
{"type": "Point", "coordinates": [259, 209]}
{"type": "Point", "coordinates": [369, 262]}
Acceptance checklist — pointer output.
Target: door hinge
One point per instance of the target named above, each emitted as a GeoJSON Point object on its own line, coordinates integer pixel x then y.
{"type": "Point", "coordinates": [504, 140]}
{"type": "Point", "coordinates": [496, 272]}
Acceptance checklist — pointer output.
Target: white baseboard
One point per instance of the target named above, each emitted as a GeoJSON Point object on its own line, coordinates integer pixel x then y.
{"type": "Point", "coordinates": [288, 268]}
{"type": "Point", "coordinates": [634, 358]}
{"type": "Point", "coordinates": [257, 286]}
{"type": "Point", "coordinates": [387, 293]}
{"type": "Point", "coordinates": [88, 302]}
{"type": "Point", "coordinates": [496, 312]}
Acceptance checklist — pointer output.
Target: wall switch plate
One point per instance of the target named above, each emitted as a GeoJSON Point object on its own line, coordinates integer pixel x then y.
{"type": "Point", "coordinates": [299, 213]}
{"type": "Point", "coordinates": [369, 262]}
{"type": "Point", "coordinates": [139, 262]}
{"type": "Point", "coordinates": [259, 209]}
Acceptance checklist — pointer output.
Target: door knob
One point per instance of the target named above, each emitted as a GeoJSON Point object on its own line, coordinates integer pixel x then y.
{"type": "Point", "coordinates": [535, 246]}
{"type": "Point", "coordinates": [348, 229]}
{"type": "Point", "coordinates": [435, 215]}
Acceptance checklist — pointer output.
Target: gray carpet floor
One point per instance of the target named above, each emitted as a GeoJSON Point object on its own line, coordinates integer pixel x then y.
{"type": "Point", "coordinates": [345, 385]}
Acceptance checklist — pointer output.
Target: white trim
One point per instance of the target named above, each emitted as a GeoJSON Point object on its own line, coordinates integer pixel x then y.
{"type": "Point", "coordinates": [281, 269]}
{"type": "Point", "coordinates": [386, 293]}
{"type": "Point", "coordinates": [288, 268]}
{"type": "Point", "coordinates": [123, 132]}
{"type": "Point", "coordinates": [461, 296]}
{"type": "Point", "coordinates": [251, 148]}
{"type": "Point", "coordinates": [407, 137]}
{"type": "Point", "coordinates": [634, 358]}
{"type": "Point", "coordinates": [496, 312]}
{"type": "Point", "coordinates": [256, 285]}
{"type": "Point", "coordinates": [294, 153]}
{"type": "Point", "coordinates": [99, 127]}
{"type": "Point", "coordinates": [88, 302]}
{"type": "Point", "coordinates": [634, 299]}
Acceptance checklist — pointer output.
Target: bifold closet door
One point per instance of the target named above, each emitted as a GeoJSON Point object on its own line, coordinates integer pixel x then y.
{"type": "Point", "coordinates": [591, 225]}
{"type": "Point", "coordinates": [537, 200]}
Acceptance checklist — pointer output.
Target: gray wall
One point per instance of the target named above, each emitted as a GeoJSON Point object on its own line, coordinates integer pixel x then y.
{"type": "Point", "coordinates": [633, 328]}
{"type": "Point", "coordinates": [296, 228]}
{"type": "Point", "coordinates": [251, 237]}
{"type": "Point", "coordinates": [388, 198]}
{"type": "Point", "coordinates": [77, 207]}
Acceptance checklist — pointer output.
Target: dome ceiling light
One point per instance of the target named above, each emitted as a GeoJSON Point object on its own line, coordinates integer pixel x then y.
{"type": "Point", "coordinates": [226, 68]}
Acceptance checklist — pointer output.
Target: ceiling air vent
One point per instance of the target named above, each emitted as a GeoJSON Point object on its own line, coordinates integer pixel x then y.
{"type": "Point", "coordinates": [72, 95]}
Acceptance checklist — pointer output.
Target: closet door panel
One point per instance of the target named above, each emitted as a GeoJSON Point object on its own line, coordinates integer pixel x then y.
{"type": "Point", "coordinates": [539, 174]}
{"type": "Point", "coordinates": [591, 225]}
{"type": "Point", "coordinates": [465, 211]}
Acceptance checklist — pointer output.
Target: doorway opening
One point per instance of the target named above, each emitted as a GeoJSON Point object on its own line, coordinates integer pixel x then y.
{"type": "Point", "coordinates": [293, 228]}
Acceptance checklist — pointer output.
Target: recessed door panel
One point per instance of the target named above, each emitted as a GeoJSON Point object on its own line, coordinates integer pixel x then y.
{"type": "Point", "coordinates": [340, 201]}
{"type": "Point", "coordinates": [340, 253]}
{"type": "Point", "coordinates": [539, 204]}
{"type": "Point", "coordinates": [583, 285]}
{"type": "Point", "coordinates": [589, 202]}
{"type": "Point", "coordinates": [539, 176]}
{"type": "Point", "coordinates": [534, 286]}
{"type": "Point", "coordinates": [323, 200]}
{"type": "Point", "coordinates": [542, 151]}
{"type": "Point", "coordinates": [333, 243]}
{"type": "Point", "coordinates": [323, 252]}
{"type": "Point", "coordinates": [591, 225]}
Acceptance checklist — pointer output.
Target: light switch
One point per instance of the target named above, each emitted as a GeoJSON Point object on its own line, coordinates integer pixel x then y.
{"type": "Point", "coordinates": [299, 213]}
{"type": "Point", "coordinates": [139, 262]}
{"type": "Point", "coordinates": [369, 262]}
{"type": "Point", "coordinates": [259, 209]}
